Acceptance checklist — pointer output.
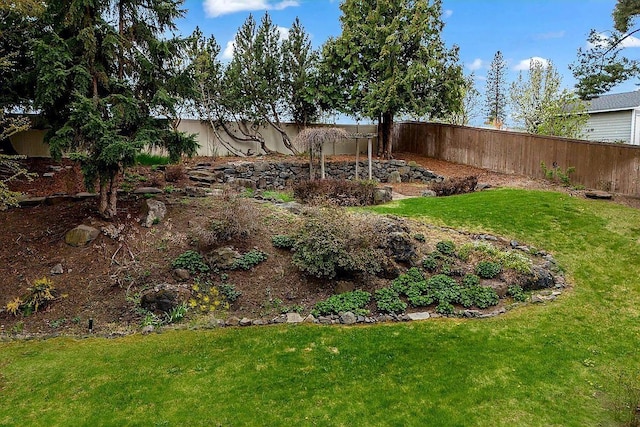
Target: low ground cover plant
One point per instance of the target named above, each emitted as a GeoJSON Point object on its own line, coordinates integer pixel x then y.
{"type": "Point", "coordinates": [354, 301]}
{"type": "Point", "coordinates": [191, 261]}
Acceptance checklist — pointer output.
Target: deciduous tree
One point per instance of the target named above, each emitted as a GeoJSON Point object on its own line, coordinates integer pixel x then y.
{"type": "Point", "coordinates": [540, 105]}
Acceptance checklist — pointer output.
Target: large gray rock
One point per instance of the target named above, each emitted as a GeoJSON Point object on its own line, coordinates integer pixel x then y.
{"type": "Point", "coordinates": [81, 235]}
{"type": "Point", "coordinates": [419, 316]}
{"type": "Point", "coordinates": [294, 318]}
{"type": "Point", "coordinates": [223, 257]}
{"type": "Point", "coordinates": [596, 194]}
{"type": "Point", "coordinates": [154, 211]}
{"type": "Point", "coordinates": [400, 246]}
{"type": "Point", "coordinates": [540, 279]}
{"type": "Point", "coordinates": [382, 195]}
{"type": "Point", "coordinates": [394, 178]}
{"type": "Point", "coordinates": [348, 318]}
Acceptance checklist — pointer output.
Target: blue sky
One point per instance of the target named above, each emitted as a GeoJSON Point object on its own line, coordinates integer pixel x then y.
{"type": "Point", "coordinates": [521, 29]}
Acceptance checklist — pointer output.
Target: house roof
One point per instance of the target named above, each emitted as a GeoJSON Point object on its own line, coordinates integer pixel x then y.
{"type": "Point", "coordinates": [615, 102]}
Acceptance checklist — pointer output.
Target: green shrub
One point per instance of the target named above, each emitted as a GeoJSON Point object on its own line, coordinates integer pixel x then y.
{"type": "Point", "coordinates": [388, 301]}
{"type": "Point", "coordinates": [349, 301]}
{"type": "Point", "coordinates": [332, 244]}
{"type": "Point", "coordinates": [479, 296]}
{"type": "Point", "coordinates": [229, 291]}
{"type": "Point", "coordinates": [445, 308]}
{"type": "Point", "coordinates": [404, 281]}
{"type": "Point", "coordinates": [282, 241]}
{"type": "Point", "coordinates": [517, 293]}
{"type": "Point", "coordinates": [430, 263]}
{"type": "Point", "coordinates": [446, 247]}
{"type": "Point", "coordinates": [488, 269]}
{"type": "Point", "coordinates": [191, 261]}
{"type": "Point", "coordinates": [470, 280]}
{"type": "Point", "coordinates": [444, 288]}
{"type": "Point", "coordinates": [249, 260]}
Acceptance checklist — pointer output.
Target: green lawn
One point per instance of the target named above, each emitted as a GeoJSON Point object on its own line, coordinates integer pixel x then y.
{"type": "Point", "coordinates": [541, 365]}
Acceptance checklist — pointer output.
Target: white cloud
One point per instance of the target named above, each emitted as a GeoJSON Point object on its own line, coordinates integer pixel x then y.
{"type": "Point", "coordinates": [603, 40]}
{"type": "Point", "coordinates": [284, 33]}
{"type": "Point", "coordinates": [227, 52]}
{"type": "Point", "coordinates": [525, 64]}
{"type": "Point", "coordinates": [215, 8]}
{"type": "Point", "coordinates": [447, 13]}
{"type": "Point", "coordinates": [476, 64]}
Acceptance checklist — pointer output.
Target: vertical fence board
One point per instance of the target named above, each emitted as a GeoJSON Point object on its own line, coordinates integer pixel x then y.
{"type": "Point", "coordinates": [611, 167]}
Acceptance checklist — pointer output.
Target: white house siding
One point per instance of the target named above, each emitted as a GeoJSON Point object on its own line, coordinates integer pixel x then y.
{"type": "Point", "coordinates": [610, 127]}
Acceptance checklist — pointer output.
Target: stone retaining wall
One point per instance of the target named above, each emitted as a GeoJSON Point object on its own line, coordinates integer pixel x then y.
{"type": "Point", "coordinates": [271, 175]}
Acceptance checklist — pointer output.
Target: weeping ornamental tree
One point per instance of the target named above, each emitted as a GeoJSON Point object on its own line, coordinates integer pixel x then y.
{"type": "Point", "coordinates": [103, 73]}
{"type": "Point", "coordinates": [390, 61]}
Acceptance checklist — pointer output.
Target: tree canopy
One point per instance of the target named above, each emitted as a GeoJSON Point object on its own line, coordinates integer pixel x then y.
{"type": "Point", "coordinates": [390, 61]}
{"type": "Point", "coordinates": [496, 91]}
{"type": "Point", "coordinates": [541, 107]}
{"type": "Point", "coordinates": [104, 71]}
{"type": "Point", "coordinates": [604, 64]}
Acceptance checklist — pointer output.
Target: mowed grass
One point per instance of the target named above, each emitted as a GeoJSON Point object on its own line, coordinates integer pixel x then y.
{"type": "Point", "coordinates": [539, 365]}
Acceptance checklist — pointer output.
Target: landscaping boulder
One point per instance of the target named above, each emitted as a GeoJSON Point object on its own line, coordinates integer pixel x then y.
{"type": "Point", "coordinates": [163, 300]}
{"type": "Point", "coordinates": [382, 195]}
{"type": "Point", "coordinates": [541, 279]}
{"type": "Point", "coordinates": [394, 178]}
{"type": "Point", "coordinates": [154, 211]}
{"type": "Point", "coordinates": [399, 246]}
{"type": "Point", "coordinates": [602, 195]}
{"type": "Point", "coordinates": [81, 235]}
{"type": "Point", "coordinates": [348, 318]}
{"type": "Point", "coordinates": [223, 257]}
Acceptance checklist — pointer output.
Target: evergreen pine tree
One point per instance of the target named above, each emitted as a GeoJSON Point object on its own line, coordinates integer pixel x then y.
{"type": "Point", "coordinates": [496, 92]}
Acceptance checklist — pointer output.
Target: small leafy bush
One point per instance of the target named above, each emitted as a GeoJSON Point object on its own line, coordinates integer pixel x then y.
{"type": "Point", "coordinates": [452, 186]}
{"type": "Point", "coordinates": [333, 243]}
{"type": "Point", "coordinates": [229, 291]}
{"type": "Point", "coordinates": [282, 241]}
{"type": "Point", "coordinates": [404, 281]}
{"type": "Point", "coordinates": [38, 295]}
{"type": "Point", "coordinates": [478, 296]}
{"type": "Point", "coordinates": [470, 280]}
{"type": "Point", "coordinates": [445, 308]}
{"type": "Point", "coordinates": [430, 263]}
{"type": "Point", "coordinates": [517, 293]}
{"type": "Point", "coordinates": [444, 288]}
{"type": "Point", "coordinates": [349, 301]}
{"type": "Point", "coordinates": [338, 192]}
{"type": "Point", "coordinates": [488, 269]}
{"type": "Point", "coordinates": [388, 301]}
{"type": "Point", "coordinates": [446, 247]}
{"type": "Point", "coordinates": [249, 260]}
{"type": "Point", "coordinates": [191, 261]}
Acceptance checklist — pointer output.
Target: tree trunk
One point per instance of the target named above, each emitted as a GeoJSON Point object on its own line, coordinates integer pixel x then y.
{"type": "Point", "coordinates": [385, 127]}
{"type": "Point", "coordinates": [107, 207]}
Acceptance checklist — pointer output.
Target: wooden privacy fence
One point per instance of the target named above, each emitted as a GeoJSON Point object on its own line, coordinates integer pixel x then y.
{"type": "Point", "coordinates": [609, 167]}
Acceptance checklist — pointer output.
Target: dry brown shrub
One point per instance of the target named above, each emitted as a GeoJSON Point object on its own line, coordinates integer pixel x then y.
{"type": "Point", "coordinates": [174, 173]}
{"type": "Point", "coordinates": [338, 192]}
{"type": "Point", "coordinates": [452, 186]}
{"type": "Point", "coordinates": [236, 218]}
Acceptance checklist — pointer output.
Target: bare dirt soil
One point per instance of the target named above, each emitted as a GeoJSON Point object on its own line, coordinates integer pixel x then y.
{"type": "Point", "coordinates": [104, 280]}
